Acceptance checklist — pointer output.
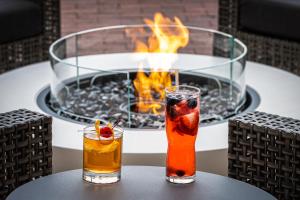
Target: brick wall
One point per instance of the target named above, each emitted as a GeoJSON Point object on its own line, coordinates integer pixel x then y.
{"type": "Point", "coordinates": [84, 14]}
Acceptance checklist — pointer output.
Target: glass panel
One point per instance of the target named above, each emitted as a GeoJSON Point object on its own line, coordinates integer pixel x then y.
{"type": "Point", "coordinates": [97, 74]}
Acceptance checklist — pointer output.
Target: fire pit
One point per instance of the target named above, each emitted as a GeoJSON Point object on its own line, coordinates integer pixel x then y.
{"type": "Point", "coordinates": [121, 71]}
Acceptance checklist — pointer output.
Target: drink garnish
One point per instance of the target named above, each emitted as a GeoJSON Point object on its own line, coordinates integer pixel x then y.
{"type": "Point", "coordinates": [188, 123]}
{"type": "Point", "coordinates": [97, 127]}
{"type": "Point", "coordinates": [172, 101]}
{"type": "Point", "coordinates": [192, 103]}
{"type": "Point", "coordinates": [180, 173]}
{"type": "Point", "coordinates": [116, 122]}
{"type": "Point", "coordinates": [106, 131]}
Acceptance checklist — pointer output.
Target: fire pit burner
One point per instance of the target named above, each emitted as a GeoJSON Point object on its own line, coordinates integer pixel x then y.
{"type": "Point", "coordinates": [103, 96]}
{"type": "Point", "coordinates": [113, 72]}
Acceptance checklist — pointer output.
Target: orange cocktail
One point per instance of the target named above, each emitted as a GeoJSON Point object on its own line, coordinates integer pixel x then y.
{"type": "Point", "coordinates": [182, 121]}
{"type": "Point", "coordinates": [102, 156]}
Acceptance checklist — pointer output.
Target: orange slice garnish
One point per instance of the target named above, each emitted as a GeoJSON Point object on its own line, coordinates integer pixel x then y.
{"type": "Point", "coordinates": [97, 127]}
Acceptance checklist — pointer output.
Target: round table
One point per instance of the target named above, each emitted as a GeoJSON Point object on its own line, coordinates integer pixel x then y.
{"type": "Point", "coordinates": [137, 182]}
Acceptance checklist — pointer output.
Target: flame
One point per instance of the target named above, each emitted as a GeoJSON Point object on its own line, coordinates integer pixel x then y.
{"type": "Point", "coordinates": [167, 37]}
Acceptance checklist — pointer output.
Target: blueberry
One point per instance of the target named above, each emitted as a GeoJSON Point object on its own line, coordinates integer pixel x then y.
{"type": "Point", "coordinates": [192, 103]}
{"type": "Point", "coordinates": [171, 111]}
{"type": "Point", "coordinates": [180, 173]}
{"type": "Point", "coordinates": [172, 102]}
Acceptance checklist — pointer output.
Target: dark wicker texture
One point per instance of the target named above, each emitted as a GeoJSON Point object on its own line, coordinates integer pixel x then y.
{"type": "Point", "coordinates": [272, 51]}
{"type": "Point", "coordinates": [264, 150]}
{"type": "Point", "coordinates": [26, 148]}
{"type": "Point", "coordinates": [34, 49]}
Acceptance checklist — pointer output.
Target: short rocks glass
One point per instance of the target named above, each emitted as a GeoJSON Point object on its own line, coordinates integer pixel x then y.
{"type": "Point", "coordinates": [102, 156]}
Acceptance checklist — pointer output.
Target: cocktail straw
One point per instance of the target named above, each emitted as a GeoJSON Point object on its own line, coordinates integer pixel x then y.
{"type": "Point", "coordinates": [116, 122]}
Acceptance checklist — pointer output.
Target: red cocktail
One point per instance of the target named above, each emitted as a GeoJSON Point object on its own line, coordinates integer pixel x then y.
{"type": "Point", "coordinates": [182, 121]}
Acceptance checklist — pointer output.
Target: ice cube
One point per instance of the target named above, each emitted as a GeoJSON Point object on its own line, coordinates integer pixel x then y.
{"type": "Point", "coordinates": [106, 148]}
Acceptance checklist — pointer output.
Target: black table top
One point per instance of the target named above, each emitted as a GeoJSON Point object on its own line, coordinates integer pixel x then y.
{"type": "Point", "coordinates": [137, 182]}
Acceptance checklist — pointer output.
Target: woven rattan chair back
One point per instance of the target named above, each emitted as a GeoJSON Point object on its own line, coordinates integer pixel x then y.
{"type": "Point", "coordinates": [284, 54]}
{"type": "Point", "coordinates": [36, 48]}
{"type": "Point", "coordinates": [26, 148]}
{"type": "Point", "coordinates": [264, 150]}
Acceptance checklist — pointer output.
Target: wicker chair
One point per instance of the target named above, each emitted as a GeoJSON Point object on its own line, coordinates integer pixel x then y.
{"type": "Point", "coordinates": [264, 150]}
{"type": "Point", "coordinates": [26, 148]}
{"type": "Point", "coordinates": [281, 53]}
{"type": "Point", "coordinates": [33, 49]}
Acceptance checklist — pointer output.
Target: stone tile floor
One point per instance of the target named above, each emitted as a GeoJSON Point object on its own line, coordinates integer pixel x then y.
{"type": "Point", "coordinates": [77, 15]}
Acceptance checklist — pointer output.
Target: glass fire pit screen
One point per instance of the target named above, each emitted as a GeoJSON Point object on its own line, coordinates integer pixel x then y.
{"type": "Point", "coordinates": [121, 72]}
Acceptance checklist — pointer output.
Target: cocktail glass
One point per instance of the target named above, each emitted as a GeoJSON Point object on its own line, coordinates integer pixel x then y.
{"type": "Point", "coordinates": [182, 121]}
{"type": "Point", "coordinates": [102, 156]}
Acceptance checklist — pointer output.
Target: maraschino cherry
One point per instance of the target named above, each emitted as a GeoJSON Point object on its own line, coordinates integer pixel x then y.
{"type": "Point", "coordinates": [106, 131]}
